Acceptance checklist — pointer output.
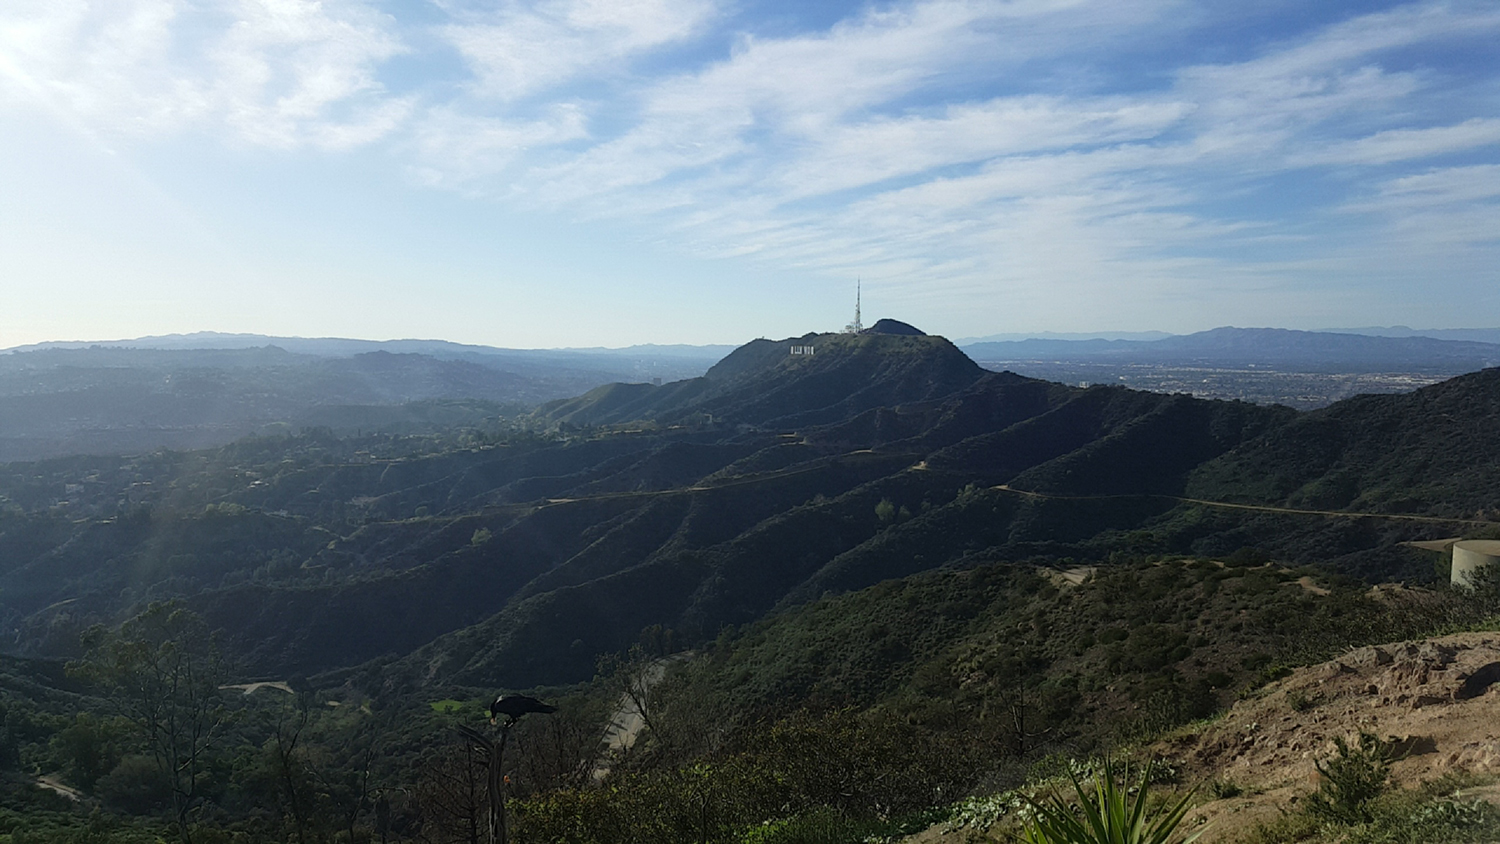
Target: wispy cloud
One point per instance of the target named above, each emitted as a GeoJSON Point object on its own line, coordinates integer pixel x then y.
{"type": "Point", "coordinates": [457, 149]}
{"type": "Point", "coordinates": [521, 49]}
{"type": "Point", "coordinates": [811, 114]}
{"type": "Point", "coordinates": [1406, 144]}
{"type": "Point", "coordinates": [1046, 185]}
{"type": "Point", "coordinates": [289, 70]}
{"type": "Point", "coordinates": [878, 150]}
{"type": "Point", "coordinates": [1449, 185]}
{"type": "Point", "coordinates": [273, 72]}
{"type": "Point", "coordinates": [980, 148]}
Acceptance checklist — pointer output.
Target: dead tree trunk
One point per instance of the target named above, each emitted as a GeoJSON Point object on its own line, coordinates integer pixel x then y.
{"type": "Point", "coordinates": [494, 752]}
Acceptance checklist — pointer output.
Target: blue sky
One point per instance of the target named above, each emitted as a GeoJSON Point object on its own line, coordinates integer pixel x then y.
{"type": "Point", "coordinates": [607, 172]}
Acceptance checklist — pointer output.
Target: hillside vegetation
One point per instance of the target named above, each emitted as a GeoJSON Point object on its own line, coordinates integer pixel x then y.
{"type": "Point", "coordinates": [514, 554]}
{"type": "Point", "coordinates": [876, 546]}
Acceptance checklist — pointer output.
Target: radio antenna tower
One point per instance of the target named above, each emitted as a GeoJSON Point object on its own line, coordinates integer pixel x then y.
{"type": "Point", "coordinates": [856, 326]}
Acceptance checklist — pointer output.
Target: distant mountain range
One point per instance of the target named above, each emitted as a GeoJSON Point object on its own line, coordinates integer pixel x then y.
{"type": "Point", "coordinates": [1476, 335]}
{"type": "Point", "coordinates": [1055, 335]}
{"type": "Point", "coordinates": [344, 347]}
{"type": "Point", "coordinates": [206, 389]}
{"type": "Point", "coordinates": [556, 371]}
{"type": "Point", "coordinates": [199, 390]}
{"type": "Point", "coordinates": [1307, 351]}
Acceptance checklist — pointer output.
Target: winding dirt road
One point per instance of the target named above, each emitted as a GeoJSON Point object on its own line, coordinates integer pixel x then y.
{"type": "Point", "coordinates": [1344, 514]}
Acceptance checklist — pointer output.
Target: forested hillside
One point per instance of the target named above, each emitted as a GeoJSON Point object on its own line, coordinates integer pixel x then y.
{"type": "Point", "coordinates": [772, 480]}
{"type": "Point", "coordinates": [878, 524]}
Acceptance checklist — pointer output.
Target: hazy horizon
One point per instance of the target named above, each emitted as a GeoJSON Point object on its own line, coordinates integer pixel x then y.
{"type": "Point", "coordinates": [184, 340]}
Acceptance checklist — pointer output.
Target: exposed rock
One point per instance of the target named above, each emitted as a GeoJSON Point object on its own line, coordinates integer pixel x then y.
{"type": "Point", "coordinates": [1475, 757]}
{"type": "Point", "coordinates": [1412, 746]}
{"type": "Point", "coordinates": [1435, 652]}
{"type": "Point", "coordinates": [1479, 682]}
{"type": "Point", "coordinates": [1335, 668]}
{"type": "Point", "coordinates": [1427, 698]}
{"type": "Point", "coordinates": [1430, 701]}
{"type": "Point", "coordinates": [1365, 657]}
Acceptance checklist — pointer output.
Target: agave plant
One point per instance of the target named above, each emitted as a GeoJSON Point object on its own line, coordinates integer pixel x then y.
{"type": "Point", "coordinates": [1113, 814]}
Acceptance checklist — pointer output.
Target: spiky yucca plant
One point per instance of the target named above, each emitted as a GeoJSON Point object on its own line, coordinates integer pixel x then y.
{"type": "Point", "coordinates": [1111, 815]}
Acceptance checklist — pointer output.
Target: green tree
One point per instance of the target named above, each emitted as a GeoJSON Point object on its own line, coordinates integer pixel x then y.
{"type": "Point", "coordinates": [346, 779]}
{"type": "Point", "coordinates": [165, 671]}
{"type": "Point", "coordinates": [287, 758]}
{"type": "Point", "coordinates": [88, 749]}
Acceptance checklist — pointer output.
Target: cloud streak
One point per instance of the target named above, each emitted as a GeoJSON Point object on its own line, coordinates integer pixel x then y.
{"type": "Point", "coordinates": [523, 50]}
{"type": "Point", "coordinates": [973, 151]}
{"type": "Point", "coordinates": [276, 73]}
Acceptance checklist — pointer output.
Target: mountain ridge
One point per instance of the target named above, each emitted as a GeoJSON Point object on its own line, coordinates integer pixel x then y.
{"type": "Point", "coordinates": [797, 380]}
{"type": "Point", "coordinates": [769, 481]}
{"type": "Point", "coordinates": [346, 346]}
{"type": "Point", "coordinates": [1308, 350]}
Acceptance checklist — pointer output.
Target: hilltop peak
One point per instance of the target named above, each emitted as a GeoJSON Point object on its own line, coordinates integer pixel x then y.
{"type": "Point", "coordinates": [812, 379]}
{"type": "Point", "coordinates": [895, 326]}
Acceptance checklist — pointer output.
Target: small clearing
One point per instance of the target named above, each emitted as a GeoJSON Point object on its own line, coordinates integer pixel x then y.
{"type": "Point", "coordinates": [51, 784]}
{"type": "Point", "coordinates": [1310, 586]}
{"type": "Point", "coordinates": [1078, 575]}
{"type": "Point", "coordinates": [628, 721]}
{"type": "Point", "coordinates": [1070, 577]}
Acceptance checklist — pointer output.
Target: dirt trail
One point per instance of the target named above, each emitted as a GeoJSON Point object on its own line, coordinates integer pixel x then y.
{"type": "Point", "coordinates": [1256, 507]}
{"type": "Point", "coordinates": [759, 478]}
{"type": "Point", "coordinates": [626, 724]}
{"type": "Point", "coordinates": [1442, 546]}
{"type": "Point", "coordinates": [249, 688]}
{"type": "Point", "coordinates": [51, 784]}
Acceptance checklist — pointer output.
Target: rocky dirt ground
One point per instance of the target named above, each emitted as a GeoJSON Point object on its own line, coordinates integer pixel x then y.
{"type": "Point", "coordinates": [1437, 700]}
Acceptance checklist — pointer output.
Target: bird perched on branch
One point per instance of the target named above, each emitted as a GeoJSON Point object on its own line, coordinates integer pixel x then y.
{"type": "Point", "coordinates": [514, 706]}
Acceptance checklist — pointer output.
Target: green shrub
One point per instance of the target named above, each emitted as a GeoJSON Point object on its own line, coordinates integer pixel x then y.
{"type": "Point", "coordinates": [1426, 816]}
{"type": "Point", "coordinates": [1246, 557]}
{"type": "Point", "coordinates": [823, 826]}
{"type": "Point", "coordinates": [1457, 814]}
{"type": "Point", "coordinates": [1224, 789]}
{"type": "Point", "coordinates": [1351, 779]}
{"type": "Point", "coordinates": [1300, 701]}
{"type": "Point", "coordinates": [1114, 814]}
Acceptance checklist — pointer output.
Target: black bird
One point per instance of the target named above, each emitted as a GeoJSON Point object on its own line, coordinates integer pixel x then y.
{"type": "Point", "coordinates": [514, 706]}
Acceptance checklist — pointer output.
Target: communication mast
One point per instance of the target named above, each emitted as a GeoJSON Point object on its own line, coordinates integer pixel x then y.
{"type": "Point", "coordinates": [856, 326]}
